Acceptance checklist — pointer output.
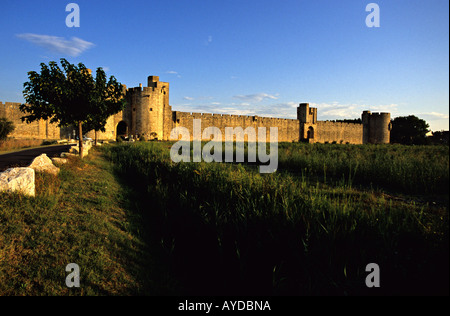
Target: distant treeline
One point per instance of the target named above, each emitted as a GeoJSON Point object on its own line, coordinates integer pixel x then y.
{"type": "Point", "coordinates": [440, 137]}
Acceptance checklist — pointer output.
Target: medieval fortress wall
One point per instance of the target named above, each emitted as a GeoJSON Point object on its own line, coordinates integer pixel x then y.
{"type": "Point", "coordinates": [339, 132]}
{"type": "Point", "coordinates": [40, 129]}
{"type": "Point", "coordinates": [149, 115]}
{"type": "Point", "coordinates": [288, 129]}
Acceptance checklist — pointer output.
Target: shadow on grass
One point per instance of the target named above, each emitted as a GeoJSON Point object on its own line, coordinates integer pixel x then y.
{"type": "Point", "coordinates": [150, 263]}
{"type": "Point", "coordinates": [205, 254]}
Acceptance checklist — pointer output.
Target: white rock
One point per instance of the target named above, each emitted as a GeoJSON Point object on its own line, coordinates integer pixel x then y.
{"type": "Point", "coordinates": [18, 180]}
{"type": "Point", "coordinates": [44, 164]}
{"type": "Point", "coordinates": [74, 150]}
{"type": "Point", "coordinates": [85, 152]}
{"type": "Point", "coordinates": [59, 161]}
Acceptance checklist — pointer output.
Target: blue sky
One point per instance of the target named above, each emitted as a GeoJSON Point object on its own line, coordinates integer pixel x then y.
{"type": "Point", "coordinates": [251, 57]}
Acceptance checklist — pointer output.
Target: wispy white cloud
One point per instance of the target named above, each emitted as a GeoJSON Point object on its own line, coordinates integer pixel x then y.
{"type": "Point", "coordinates": [435, 115]}
{"type": "Point", "coordinates": [336, 110]}
{"type": "Point", "coordinates": [73, 47]}
{"type": "Point", "coordinates": [258, 97]}
{"type": "Point", "coordinates": [172, 72]}
{"type": "Point", "coordinates": [392, 108]}
{"type": "Point", "coordinates": [437, 121]}
{"type": "Point", "coordinates": [188, 98]}
{"type": "Point", "coordinates": [280, 110]}
{"type": "Point", "coordinates": [205, 97]}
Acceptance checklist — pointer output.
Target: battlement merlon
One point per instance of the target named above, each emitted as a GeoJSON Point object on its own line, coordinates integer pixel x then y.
{"type": "Point", "coordinates": [151, 80]}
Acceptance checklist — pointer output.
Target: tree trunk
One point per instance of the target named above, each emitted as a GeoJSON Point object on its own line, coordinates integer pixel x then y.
{"type": "Point", "coordinates": [80, 136]}
{"type": "Point", "coordinates": [95, 142]}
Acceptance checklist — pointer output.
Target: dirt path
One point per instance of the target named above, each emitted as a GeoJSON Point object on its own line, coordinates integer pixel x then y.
{"type": "Point", "coordinates": [24, 157]}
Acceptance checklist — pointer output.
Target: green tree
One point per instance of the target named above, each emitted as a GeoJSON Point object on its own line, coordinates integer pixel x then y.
{"type": "Point", "coordinates": [409, 130]}
{"type": "Point", "coordinates": [107, 101]}
{"type": "Point", "coordinates": [6, 128]}
{"type": "Point", "coordinates": [71, 96]}
{"type": "Point", "coordinates": [440, 137]}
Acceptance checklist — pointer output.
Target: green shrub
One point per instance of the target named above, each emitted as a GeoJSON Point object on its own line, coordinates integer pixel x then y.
{"type": "Point", "coordinates": [6, 128]}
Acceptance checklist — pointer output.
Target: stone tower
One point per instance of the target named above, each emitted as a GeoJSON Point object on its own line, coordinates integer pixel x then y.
{"type": "Point", "coordinates": [148, 109]}
{"type": "Point", "coordinates": [376, 127]}
{"type": "Point", "coordinates": [308, 121]}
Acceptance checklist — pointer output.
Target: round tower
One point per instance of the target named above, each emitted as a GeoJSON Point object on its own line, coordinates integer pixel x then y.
{"type": "Point", "coordinates": [365, 117]}
{"type": "Point", "coordinates": [382, 126]}
{"type": "Point", "coordinates": [146, 106]}
{"type": "Point", "coordinates": [376, 127]}
{"type": "Point", "coordinates": [156, 91]}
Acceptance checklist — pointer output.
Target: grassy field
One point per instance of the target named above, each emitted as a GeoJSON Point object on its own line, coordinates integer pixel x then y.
{"type": "Point", "coordinates": [138, 224]}
{"type": "Point", "coordinates": [310, 228]}
{"type": "Point", "coordinates": [84, 216]}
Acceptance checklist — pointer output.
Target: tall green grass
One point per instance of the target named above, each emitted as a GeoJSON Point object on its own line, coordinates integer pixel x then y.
{"type": "Point", "coordinates": [406, 169]}
{"type": "Point", "coordinates": [226, 229]}
{"type": "Point", "coordinates": [398, 168]}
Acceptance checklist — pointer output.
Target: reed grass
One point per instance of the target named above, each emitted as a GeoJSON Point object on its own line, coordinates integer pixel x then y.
{"type": "Point", "coordinates": [226, 229]}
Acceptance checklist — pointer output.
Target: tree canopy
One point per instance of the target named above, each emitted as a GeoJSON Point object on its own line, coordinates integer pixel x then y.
{"type": "Point", "coordinates": [409, 130]}
{"type": "Point", "coordinates": [440, 137]}
{"type": "Point", "coordinates": [107, 100]}
{"type": "Point", "coordinates": [71, 96]}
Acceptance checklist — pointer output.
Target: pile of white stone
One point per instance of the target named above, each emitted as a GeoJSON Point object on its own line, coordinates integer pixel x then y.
{"type": "Point", "coordinates": [75, 150]}
{"type": "Point", "coordinates": [22, 179]}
